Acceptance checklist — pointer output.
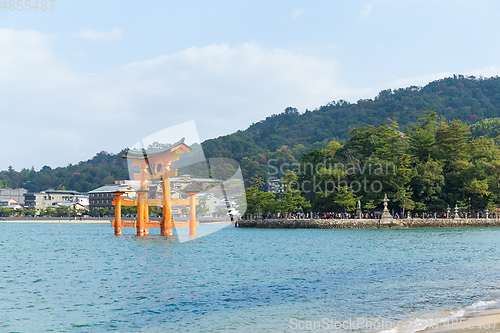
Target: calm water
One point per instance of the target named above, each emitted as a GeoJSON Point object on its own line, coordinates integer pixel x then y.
{"type": "Point", "coordinates": [84, 279]}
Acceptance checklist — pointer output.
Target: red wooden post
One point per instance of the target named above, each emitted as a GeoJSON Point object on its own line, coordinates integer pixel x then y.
{"type": "Point", "coordinates": [118, 213]}
{"type": "Point", "coordinates": [192, 214]}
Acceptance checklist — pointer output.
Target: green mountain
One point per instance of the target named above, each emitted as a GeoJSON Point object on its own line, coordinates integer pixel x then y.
{"type": "Point", "coordinates": [466, 98]}
{"type": "Point", "coordinates": [286, 136]}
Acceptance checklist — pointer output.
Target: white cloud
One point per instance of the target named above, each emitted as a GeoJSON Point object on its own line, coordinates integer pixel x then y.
{"type": "Point", "coordinates": [365, 12]}
{"type": "Point", "coordinates": [296, 13]}
{"type": "Point", "coordinates": [27, 61]}
{"type": "Point", "coordinates": [57, 116]}
{"type": "Point", "coordinates": [99, 36]}
{"type": "Point", "coordinates": [222, 88]}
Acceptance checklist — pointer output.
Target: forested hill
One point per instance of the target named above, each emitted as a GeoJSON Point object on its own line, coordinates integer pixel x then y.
{"type": "Point", "coordinates": [466, 98]}
{"type": "Point", "coordinates": [288, 135]}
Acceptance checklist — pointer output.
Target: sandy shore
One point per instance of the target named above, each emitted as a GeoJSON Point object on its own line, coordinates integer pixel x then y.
{"type": "Point", "coordinates": [483, 321]}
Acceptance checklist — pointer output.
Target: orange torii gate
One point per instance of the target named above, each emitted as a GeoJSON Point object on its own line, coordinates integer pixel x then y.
{"type": "Point", "coordinates": [155, 164]}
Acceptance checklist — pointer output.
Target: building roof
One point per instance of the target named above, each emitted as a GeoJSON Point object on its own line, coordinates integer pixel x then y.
{"type": "Point", "coordinates": [52, 191]}
{"type": "Point", "coordinates": [204, 194]}
{"type": "Point", "coordinates": [67, 204]}
{"type": "Point", "coordinates": [142, 154]}
{"type": "Point", "coordinates": [115, 188]}
{"type": "Point", "coordinates": [10, 190]}
{"type": "Point", "coordinates": [15, 206]}
{"type": "Point", "coordinates": [188, 179]}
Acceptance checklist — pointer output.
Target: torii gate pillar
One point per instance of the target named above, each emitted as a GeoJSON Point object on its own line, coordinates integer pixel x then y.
{"type": "Point", "coordinates": [118, 213]}
{"type": "Point", "coordinates": [192, 214]}
{"type": "Point", "coordinates": [141, 213]}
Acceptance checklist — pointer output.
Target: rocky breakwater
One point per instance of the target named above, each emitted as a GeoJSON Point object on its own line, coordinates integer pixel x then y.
{"type": "Point", "coordinates": [451, 223]}
{"type": "Point", "coordinates": [309, 224]}
{"type": "Point", "coordinates": [367, 223]}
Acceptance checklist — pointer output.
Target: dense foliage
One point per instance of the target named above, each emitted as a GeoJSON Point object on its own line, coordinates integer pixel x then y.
{"type": "Point", "coordinates": [432, 165]}
{"type": "Point", "coordinates": [289, 200]}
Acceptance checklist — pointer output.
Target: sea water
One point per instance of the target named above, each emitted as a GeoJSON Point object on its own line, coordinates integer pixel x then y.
{"type": "Point", "coordinates": [82, 278]}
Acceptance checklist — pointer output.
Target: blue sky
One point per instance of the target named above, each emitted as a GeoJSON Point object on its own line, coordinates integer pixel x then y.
{"type": "Point", "coordinates": [78, 79]}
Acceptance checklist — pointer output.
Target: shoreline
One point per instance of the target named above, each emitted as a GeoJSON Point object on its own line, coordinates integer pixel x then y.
{"type": "Point", "coordinates": [413, 223]}
{"type": "Point", "coordinates": [481, 316]}
{"type": "Point", "coordinates": [56, 221]}
{"type": "Point", "coordinates": [85, 221]}
{"type": "Point", "coordinates": [474, 321]}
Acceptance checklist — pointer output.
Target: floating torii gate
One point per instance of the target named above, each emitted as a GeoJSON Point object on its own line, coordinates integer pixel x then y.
{"type": "Point", "coordinates": [155, 164]}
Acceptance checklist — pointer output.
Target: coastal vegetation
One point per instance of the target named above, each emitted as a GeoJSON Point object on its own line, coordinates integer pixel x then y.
{"type": "Point", "coordinates": [430, 166]}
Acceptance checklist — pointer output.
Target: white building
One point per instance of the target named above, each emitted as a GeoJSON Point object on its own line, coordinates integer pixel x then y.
{"type": "Point", "coordinates": [211, 201]}
{"type": "Point", "coordinates": [45, 199]}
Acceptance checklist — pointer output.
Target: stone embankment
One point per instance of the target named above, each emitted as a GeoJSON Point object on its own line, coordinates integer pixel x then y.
{"type": "Point", "coordinates": [367, 223]}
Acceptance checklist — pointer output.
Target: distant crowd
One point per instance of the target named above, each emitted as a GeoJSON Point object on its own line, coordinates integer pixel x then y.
{"type": "Point", "coordinates": [370, 215]}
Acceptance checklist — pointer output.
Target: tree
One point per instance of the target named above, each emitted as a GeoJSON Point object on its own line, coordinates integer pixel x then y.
{"type": "Point", "coordinates": [452, 141]}
{"type": "Point", "coordinates": [94, 213]}
{"type": "Point", "coordinates": [62, 211]}
{"type": "Point", "coordinates": [333, 146]}
{"type": "Point", "coordinates": [257, 181]}
{"type": "Point", "coordinates": [462, 205]}
{"type": "Point", "coordinates": [492, 206]}
{"type": "Point", "coordinates": [48, 212]}
{"type": "Point", "coordinates": [102, 211]}
{"type": "Point", "coordinates": [487, 127]}
{"type": "Point", "coordinates": [422, 141]}
{"type": "Point", "coordinates": [345, 198]}
{"type": "Point", "coordinates": [202, 208]}
{"type": "Point", "coordinates": [72, 211]}
{"type": "Point", "coordinates": [129, 210]}
{"type": "Point", "coordinates": [6, 211]}
{"type": "Point", "coordinates": [428, 184]}
{"type": "Point", "coordinates": [258, 201]}
{"type": "Point", "coordinates": [222, 211]}
{"type": "Point", "coordinates": [154, 211]}
{"type": "Point", "coordinates": [290, 199]}
{"type": "Point", "coordinates": [369, 205]}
